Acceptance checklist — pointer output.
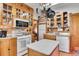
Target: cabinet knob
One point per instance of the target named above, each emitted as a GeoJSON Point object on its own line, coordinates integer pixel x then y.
{"type": "Point", "coordinates": [8, 49]}
{"type": "Point", "coordinates": [0, 42]}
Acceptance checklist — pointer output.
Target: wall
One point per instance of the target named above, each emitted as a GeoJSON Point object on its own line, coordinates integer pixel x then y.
{"type": "Point", "coordinates": [34, 6]}
{"type": "Point", "coordinates": [70, 7]}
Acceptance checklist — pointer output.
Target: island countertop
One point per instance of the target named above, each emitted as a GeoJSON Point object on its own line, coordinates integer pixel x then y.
{"type": "Point", "coordinates": [66, 34]}
{"type": "Point", "coordinates": [13, 36]}
{"type": "Point", "coordinates": [44, 46]}
{"type": "Point", "coordinates": [7, 37]}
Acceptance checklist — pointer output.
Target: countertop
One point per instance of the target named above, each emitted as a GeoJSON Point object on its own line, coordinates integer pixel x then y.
{"type": "Point", "coordinates": [65, 34]}
{"type": "Point", "coordinates": [44, 46]}
{"type": "Point", "coordinates": [7, 37]}
{"type": "Point", "coordinates": [13, 36]}
{"type": "Point", "coordinates": [51, 33]}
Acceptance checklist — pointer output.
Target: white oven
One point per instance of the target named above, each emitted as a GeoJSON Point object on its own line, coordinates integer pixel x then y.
{"type": "Point", "coordinates": [22, 44]}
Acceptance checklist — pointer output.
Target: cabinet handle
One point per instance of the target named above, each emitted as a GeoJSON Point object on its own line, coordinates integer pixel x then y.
{"type": "Point", "coordinates": [0, 42]}
{"type": "Point", "coordinates": [8, 49]}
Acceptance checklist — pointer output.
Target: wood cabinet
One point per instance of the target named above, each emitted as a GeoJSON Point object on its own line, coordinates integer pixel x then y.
{"type": "Point", "coordinates": [31, 52]}
{"type": "Point", "coordinates": [4, 47]}
{"type": "Point", "coordinates": [74, 30]}
{"type": "Point", "coordinates": [34, 29]}
{"type": "Point", "coordinates": [10, 11]}
{"type": "Point", "coordinates": [13, 47]}
{"type": "Point", "coordinates": [50, 37]}
{"type": "Point", "coordinates": [60, 22]}
{"type": "Point", "coordinates": [43, 47]}
{"type": "Point", "coordinates": [6, 15]}
{"type": "Point", "coordinates": [23, 11]}
{"type": "Point", "coordinates": [8, 47]}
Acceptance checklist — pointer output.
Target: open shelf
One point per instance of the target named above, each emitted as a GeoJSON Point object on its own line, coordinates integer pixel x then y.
{"type": "Point", "coordinates": [60, 21]}
{"type": "Point", "coordinates": [7, 14]}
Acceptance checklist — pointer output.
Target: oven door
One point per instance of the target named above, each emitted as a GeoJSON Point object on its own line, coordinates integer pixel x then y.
{"type": "Point", "coordinates": [22, 44]}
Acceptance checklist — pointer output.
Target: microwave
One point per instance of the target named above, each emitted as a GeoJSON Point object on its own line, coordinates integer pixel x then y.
{"type": "Point", "coordinates": [21, 23]}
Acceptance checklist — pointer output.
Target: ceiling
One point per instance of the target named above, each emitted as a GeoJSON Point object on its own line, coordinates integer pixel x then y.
{"type": "Point", "coordinates": [71, 7]}
{"type": "Point", "coordinates": [58, 5]}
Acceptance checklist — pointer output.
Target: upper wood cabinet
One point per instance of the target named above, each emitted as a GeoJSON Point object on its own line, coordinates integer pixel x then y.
{"type": "Point", "coordinates": [60, 22]}
{"type": "Point", "coordinates": [23, 11]}
{"type": "Point", "coordinates": [10, 11]}
{"type": "Point", "coordinates": [34, 29]}
{"type": "Point", "coordinates": [4, 47]}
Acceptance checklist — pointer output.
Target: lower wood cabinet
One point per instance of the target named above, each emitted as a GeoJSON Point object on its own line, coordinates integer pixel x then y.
{"type": "Point", "coordinates": [8, 47]}
{"type": "Point", "coordinates": [32, 52]}
{"type": "Point", "coordinates": [4, 47]}
{"type": "Point", "coordinates": [50, 37]}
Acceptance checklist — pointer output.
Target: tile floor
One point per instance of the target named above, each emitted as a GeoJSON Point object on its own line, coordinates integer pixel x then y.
{"type": "Point", "coordinates": [68, 54]}
{"type": "Point", "coordinates": [63, 54]}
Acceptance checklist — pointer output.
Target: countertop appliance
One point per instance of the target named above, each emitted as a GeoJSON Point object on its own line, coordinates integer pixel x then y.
{"type": "Point", "coordinates": [3, 33]}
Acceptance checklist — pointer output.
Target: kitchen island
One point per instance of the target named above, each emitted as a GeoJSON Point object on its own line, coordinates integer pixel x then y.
{"type": "Point", "coordinates": [44, 47]}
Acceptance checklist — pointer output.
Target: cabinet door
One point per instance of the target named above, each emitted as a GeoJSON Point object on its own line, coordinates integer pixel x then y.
{"type": "Point", "coordinates": [4, 44]}
{"type": "Point", "coordinates": [30, 38]}
{"type": "Point", "coordinates": [63, 43]}
{"type": "Point", "coordinates": [13, 47]}
{"type": "Point", "coordinates": [58, 38]}
{"type": "Point", "coordinates": [42, 30]}
{"type": "Point", "coordinates": [74, 30]}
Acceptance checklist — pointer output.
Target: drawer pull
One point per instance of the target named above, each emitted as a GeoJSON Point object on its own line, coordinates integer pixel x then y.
{"type": "Point", "coordinates": [8, 49]}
